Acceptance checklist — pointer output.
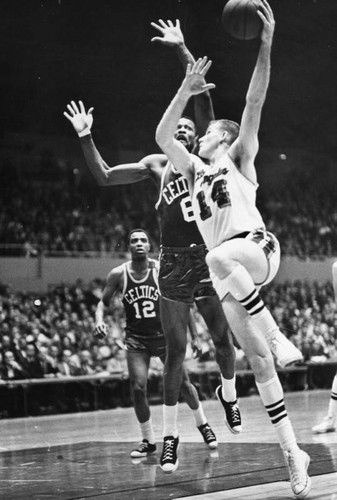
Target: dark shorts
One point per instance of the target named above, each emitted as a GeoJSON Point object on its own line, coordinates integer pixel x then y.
{"type": "Point", "coordinates": [154, 345]}
{"type": "Point", "coordinates": [184, 275]}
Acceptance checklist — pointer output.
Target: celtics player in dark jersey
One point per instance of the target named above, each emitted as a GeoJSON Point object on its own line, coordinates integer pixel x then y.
{"type": "Point", "coordinates": [184, 276]}
{"type": "Point", "coordinates": [137, 282]}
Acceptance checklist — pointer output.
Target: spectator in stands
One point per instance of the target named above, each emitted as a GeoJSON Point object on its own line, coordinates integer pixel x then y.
{"type": "Point", "coordinates": [65, 366]}
{"type": "Point", "coordinates": [11, 369]}
{"type": "Point", "coordinates": [86, 365]}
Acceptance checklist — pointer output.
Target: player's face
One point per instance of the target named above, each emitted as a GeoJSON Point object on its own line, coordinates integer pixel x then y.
{"type": "Point", "coordinates": [186, 133]}
{"type": "Point", "coordinates": [139, 244]}
{"type": "Point", "coordinates": [210, 141]}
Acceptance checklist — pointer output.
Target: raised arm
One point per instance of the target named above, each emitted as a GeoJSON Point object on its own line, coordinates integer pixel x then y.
{"type": "Point", "coordinates": [172, 36]}
{"type": "Point", "coordinates": [128, 173]}
{"type": "Point", "coordinates": [193, 84]}
{"type": "Point", "coordinates": [245, 148]}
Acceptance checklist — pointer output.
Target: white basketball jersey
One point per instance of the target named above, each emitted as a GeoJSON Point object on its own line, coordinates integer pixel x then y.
{"type": "Point", "coordinates": [224, 201]}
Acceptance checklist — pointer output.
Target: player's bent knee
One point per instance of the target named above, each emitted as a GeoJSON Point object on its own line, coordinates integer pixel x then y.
{"type": "Point", "coordinates": [138, 388]}
{"type": "Point", "coordinates": [262, 366]}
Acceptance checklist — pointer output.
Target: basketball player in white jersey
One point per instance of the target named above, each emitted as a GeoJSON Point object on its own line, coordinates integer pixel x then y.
{"type": "Point", "coordinates": [242, 256]}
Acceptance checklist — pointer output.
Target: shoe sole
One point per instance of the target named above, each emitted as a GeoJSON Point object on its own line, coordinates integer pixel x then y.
{"type": "Point", "coordinates": [324, 432]}
{"type": "Point", "coordinates": [142, 455]}
{"type": "Point", "coordinates": [175, 467]}
{"type": "Point", "coordinates": [289, 361]}
{"type": "Point", "coordinates": [212, 445]}
{"type": "Point", "coordinates": [232, 430]}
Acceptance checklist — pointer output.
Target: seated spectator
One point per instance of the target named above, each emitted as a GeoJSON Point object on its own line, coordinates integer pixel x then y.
{"type": "Point", "coordinates": [118, 364]}
{"type": "Point", "coordinates": [65, 366]}
{"type": "Point", "coordinates": [11, 369]}
{"type": "Point", "coordinates": [86, 365]}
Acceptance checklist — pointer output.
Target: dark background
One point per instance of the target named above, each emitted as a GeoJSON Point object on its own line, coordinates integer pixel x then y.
{"type": "Point", "coordinates": [100, 51]}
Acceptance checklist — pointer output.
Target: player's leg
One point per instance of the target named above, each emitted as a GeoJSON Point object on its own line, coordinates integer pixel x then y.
{"type": "Point", "coordinates": [191, 397]}
{"type": "Point", "coordinates": [174, 318]}
{"type": "Point", "coordinates": [211, 310]}
{"type": "Point", "coordinates": [239, 266]}
{"type": "Point", "coordinates": [328, 423]}
{"type": "Point", "coordinates": [260, 358]}
{"type": "Point", "coordinates": [138, 366]}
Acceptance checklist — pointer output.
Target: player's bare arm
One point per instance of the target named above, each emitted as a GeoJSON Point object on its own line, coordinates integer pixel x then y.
{"type": "Point", "coordinates": [149, 167]}
{"type": "Point", "coordinates": [172, 36]}
{"type": "Point", "coordinates": [114, 284]}
{"type": "Point", "coordinates": [245, 148]}
{"type": "Point", "coordinates": [193, 84]}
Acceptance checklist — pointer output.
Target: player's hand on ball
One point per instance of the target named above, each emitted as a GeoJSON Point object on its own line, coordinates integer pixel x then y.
{"type": "Point", "coordinates": [267, 16]}
{"type": "Point", "coordinates": [78, 116]}
{"type": "Point", "coordinates": [101, 330]}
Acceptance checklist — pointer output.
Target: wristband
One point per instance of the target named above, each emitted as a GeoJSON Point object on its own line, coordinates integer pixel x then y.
{"type": "Point", "coordinates": [84, 132]}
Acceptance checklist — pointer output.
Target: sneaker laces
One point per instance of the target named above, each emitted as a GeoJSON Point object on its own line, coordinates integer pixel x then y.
{"type": "Point", "coordinates": [168, 450]}
{"type": "Point", "coordinates": [294, 470]}
{"type": "Point", "coordinates": [143, 446]}
{"type": "Point", "coordinates": [235, 414]}
{"type": "Point", "coordinates": [208, 433]}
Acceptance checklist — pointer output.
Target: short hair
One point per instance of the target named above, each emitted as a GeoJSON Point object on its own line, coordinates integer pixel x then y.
{"type": "Point", "coordinates": [229, 126]}
{"type": "Point", "coordinates": [137, 230]}
{"type": "Point", "coordinates": [186, 117]}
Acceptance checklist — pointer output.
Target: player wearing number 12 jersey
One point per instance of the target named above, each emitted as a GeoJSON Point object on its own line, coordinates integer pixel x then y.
{"type": "Point", "coordinates": [137, 283]}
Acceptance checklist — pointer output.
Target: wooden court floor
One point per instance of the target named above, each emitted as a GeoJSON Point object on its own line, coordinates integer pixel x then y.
{"type": "Point", "coordinates": [86, 456]}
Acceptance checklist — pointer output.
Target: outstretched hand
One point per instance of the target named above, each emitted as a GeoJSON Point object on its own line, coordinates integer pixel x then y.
{"type": "Point", "coordinates": [266, 14]}
{"type": "Point", "coordinates": [194, 82]}
{"type": "Point", "coordinates": [171, 35]}
{"type": "Point", "coordinates": [78, 117]}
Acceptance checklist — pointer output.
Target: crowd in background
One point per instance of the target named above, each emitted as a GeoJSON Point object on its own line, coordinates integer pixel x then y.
{"type": "Point", "coordinates": [57, 220]}
{"type": "Point", "coordinates": [52, 335]}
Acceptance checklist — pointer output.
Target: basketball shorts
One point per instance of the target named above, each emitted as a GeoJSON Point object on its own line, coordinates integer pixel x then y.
{"type": "Point", "coordinates": [183, 274]}
{"type": "Point", "coordinates": [154, 345]}
{"type": "Point", "coordinates": [271, 248]}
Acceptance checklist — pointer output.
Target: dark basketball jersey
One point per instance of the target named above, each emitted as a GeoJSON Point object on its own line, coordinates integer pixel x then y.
{"type": "Point", "coordinates": [141, 302]}
{"type": "Point", "coordinates": [178, 226]}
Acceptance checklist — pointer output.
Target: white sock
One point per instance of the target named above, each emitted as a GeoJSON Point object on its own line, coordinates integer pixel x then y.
{"type": "Point", "coordinates": [332, 412]}
{"type": "Point", "coordinates": [147, 431]}
{"type": "Point", "coordinates": [170, 414]}
{"type": "Point", "coordinates": [271, 393]}
{"type": "Point", "coordinates": [199, 416]}
{"type": "Point", "coordinates": [228, 389]}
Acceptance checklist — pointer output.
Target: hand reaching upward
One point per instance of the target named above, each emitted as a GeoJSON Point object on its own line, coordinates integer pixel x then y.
{"type": "Point", "coordinates": [194, 82]}
{"type": "Point", "coordinates": [79, 117]}
{"type": "Point", "coordinates": [171, 35]}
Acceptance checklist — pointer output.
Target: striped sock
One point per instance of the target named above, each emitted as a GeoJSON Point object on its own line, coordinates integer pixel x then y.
{"type": "Point", "coordinates": [241, 286]}
{"type": "Point", "coordinates": [271, 393]}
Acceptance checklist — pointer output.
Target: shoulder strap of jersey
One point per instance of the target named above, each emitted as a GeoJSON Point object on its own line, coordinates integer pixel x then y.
{"type": "Point", "coordinates": [125, 278]}
{"type": "Point", "coordinates": [162, 181]}
{"type": "Point", "coordinates": [154, 266]}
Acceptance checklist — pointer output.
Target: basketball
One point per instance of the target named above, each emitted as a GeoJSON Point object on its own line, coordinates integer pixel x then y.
{"type": "Point", "coordinates": [241, 20]}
